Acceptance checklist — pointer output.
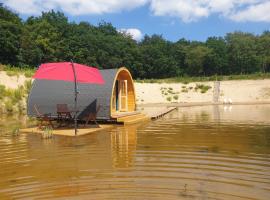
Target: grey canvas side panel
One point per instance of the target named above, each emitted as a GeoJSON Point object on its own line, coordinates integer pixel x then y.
{"type": "Point", "coordinates": [45, 94]}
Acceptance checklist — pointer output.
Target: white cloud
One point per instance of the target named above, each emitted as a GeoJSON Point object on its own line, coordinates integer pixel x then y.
{"type": "Point", "coordinates": [255, 13]}
{"type": "Point", "coordinates": [193, 10]}
{"type": "Point", "coordinates": [185, 10]}
{"type": "Point", "coordinates": [136, 34]}
{"type": "Point", "coordinates": [73, 7]}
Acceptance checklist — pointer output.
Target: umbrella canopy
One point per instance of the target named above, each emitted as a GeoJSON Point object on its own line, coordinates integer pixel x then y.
{"type": "Point", "coordinates": [64, 71]}
{"type": "Point", "coordinates": [72, 72]}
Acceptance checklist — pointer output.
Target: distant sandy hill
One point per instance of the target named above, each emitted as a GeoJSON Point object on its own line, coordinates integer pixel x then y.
{"type": "Point", "coordinates": [240, 91]}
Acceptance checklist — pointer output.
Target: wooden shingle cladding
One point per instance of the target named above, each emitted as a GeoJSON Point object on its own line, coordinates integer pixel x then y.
{"type": "Point", "coordinates": [46, 94]}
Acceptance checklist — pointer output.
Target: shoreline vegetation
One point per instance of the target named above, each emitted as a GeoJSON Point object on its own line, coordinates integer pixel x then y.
{"type": "Point", "coordinates": [10, 70]}
{"type": "Point", "coordinates": [178, 91]}
{"type": "Point", "coordinates": [28, 72]}
{"type": "Point", "coordinates": [15, 85]}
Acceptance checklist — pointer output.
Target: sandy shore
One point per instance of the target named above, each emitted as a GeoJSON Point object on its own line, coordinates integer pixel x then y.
{"type": "Point", "coordinates": [240, 92]}
{"type": "Point", "coordinates": [179, 94]}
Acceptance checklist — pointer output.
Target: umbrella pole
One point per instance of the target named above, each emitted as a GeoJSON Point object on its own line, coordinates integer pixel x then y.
{"type": "Point", "coordinates": [75, 99]}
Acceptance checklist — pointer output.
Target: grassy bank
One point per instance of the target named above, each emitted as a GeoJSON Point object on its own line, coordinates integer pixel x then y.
{"type": "Point", "coordinates": [14, 100]}
{"type": "Point", "coordinates": [186, 80]}
{"type": "Point", "coordinates": [16, 71]}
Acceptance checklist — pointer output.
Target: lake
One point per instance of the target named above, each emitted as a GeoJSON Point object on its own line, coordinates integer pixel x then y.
{"type": "Point", "coordinates": [203, 152]}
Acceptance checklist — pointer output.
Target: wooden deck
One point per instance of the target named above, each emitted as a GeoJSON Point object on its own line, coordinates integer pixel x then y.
{"type": "Point", "coordinates": [130, 118]}
{"type": "Point", "coordinates": [161, 113]}
{"type": "Point", "coordinates": [120, 118]}
{"type": "Point", "coordinates": [68, 131]}
{"type": "Point", "coordinates": [137, 117]}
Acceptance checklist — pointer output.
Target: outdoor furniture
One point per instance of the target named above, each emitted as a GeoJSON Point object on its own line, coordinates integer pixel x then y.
{"type": "Point", "coordinates": [63, 114]}
{"type": "Point", "coordinates": [43, 117]}
{"type": "Point", "coordinates": [92, 116]}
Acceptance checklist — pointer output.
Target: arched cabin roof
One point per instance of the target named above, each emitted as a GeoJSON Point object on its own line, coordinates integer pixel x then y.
{"type": "Point", "coordinates": [46, 94]}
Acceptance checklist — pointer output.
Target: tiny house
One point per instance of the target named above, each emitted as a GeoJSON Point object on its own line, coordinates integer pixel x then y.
{"type": "Point", "coordinates": [116, 96]}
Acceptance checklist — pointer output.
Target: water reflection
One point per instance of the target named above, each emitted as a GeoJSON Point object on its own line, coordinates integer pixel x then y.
{"type": "Point", "coordinates": [203, 152]}
{"type": "Point", "coordinates": [123, 144]}
{"type": "Point", "coordinates": [236, 114]}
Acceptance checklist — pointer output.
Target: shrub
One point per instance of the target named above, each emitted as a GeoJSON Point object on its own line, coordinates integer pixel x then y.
{"type": "Point", "coordinates": [28, 73]}
{"type": "Point", "coordinates": [28, 86]}
{"type": "Point", "coordinates": [16, 71]}
{"type": "Point", "coordinates": [18, 93]}
{"type": "Point", "coordinates": [47, 133]}
{"type": "Point", "coordinates": [175, 97]}
{"type": "Point", "coordinates": [12, 73]}
{"type": "Point", "coordinates": [185, 82]}
{"type": "Point", "coordinates": [15, 132]}
{"type": "Point", "coordinates": [169, 98]}
{"type": "Point", "coordinates": [2, 91]}
{"type": "Point", "coordinates": [9, 107]}
{"type": "Point", "coordinates": [202, 87]}
{"type": "Point", "coordinates": [152, 81]}
{"type": "Point", "coordinates": [184, 90]}
{"type": "Point", "coordinates": [21, 107]}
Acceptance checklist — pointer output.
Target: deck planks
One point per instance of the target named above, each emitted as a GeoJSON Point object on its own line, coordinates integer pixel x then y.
{"type": "Point", "coordinates": [68, 131]}
{"type": "Point", "coordinates": [161, 113]}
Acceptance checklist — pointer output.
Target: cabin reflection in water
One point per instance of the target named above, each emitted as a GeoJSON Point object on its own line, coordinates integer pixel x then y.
{"type": "Point", "coordinates": [123, 145]}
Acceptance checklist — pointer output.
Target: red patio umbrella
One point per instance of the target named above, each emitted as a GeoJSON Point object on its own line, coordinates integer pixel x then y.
{"type": "Point", "coordinates": [72, 72]}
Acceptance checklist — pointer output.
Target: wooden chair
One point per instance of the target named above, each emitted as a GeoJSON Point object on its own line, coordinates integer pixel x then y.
{"type": "Point", "coordinates": [43, 117]}
{"type": "Point", "coordinates": [63, 113]}
{"type": "Point", "coordinates": [92, 116]}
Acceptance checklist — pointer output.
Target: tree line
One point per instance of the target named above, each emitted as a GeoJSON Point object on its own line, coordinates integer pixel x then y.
{"type": "Point", "coordinates": [52, 38]}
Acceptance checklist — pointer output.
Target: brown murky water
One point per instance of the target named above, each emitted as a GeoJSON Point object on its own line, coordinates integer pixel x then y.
{"type": "Point", "coordinates": [205, 152]}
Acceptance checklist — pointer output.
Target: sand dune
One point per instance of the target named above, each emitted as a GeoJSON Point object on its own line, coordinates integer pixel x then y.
{"type": "Point", "coordinates": [237, 91]}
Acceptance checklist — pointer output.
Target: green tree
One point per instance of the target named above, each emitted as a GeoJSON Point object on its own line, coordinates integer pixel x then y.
{"type": "Point", "coordinates": [42, 39]}
{"type": "Point", "coordinates": [196, 58]}
{"type": "Point", "coordinates": [242, 53]}
{"type": "Point", "coordinates": [263, 48]}
{"type": "Point", "coordinates": [217, 61]}
{"type": "Point", "coordinates": [10, 36]}
{"type": "Point", "coordinates": [157, 57]}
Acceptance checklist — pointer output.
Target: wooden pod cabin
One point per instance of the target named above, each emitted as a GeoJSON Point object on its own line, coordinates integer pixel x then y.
{"type": "Point", "coordinates": [115, 97]}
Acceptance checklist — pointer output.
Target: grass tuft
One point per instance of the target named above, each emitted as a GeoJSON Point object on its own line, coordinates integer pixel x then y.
{"type": "Point", "coordinates": [176, 97]}
{"type": "Point", "coordinates": [203, 88]}
{"type": "Point", "coordinates": [169, 98]}
{"type": "Point", "coordinates": [47, 133]}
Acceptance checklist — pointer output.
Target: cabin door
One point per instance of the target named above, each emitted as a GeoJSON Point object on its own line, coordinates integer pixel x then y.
{"type": "Point", "coordinates": [123, 95]}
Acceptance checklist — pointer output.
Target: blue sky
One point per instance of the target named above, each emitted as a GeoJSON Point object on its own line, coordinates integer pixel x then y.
{"type": "Point", "coordinates": [174, 19]}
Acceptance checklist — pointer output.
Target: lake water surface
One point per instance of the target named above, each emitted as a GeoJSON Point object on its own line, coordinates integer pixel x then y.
{"type": "Point", "coordinates": [207, 152]}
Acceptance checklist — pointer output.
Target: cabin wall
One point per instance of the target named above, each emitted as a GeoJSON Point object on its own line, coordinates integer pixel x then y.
{"type": "Point", "coordinates": [46, 94]}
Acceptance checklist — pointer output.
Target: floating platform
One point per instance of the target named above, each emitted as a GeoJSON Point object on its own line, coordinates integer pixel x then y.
{"type": "Point", "coordinates": [69, 131]}
{"type": "Point", "coordinates": [127, 118]}
{"type": "Point", "coordinates": [161, 113]}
